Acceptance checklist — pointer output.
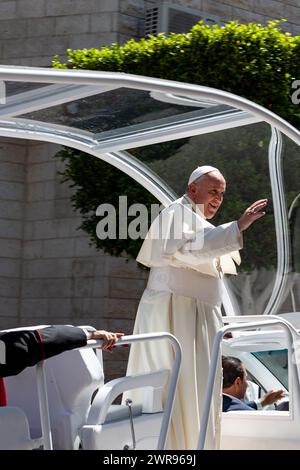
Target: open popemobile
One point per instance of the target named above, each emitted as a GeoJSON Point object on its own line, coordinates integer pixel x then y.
{"type": "Point", "coordinates": [190, 126]}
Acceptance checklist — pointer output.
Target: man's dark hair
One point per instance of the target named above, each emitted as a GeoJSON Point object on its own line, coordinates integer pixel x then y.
{"type": "Point", "coordinates": [232, 368]}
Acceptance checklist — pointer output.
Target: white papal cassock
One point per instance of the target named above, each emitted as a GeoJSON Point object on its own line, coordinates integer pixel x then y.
{"type": "Point", "coordinates": [187, 256]}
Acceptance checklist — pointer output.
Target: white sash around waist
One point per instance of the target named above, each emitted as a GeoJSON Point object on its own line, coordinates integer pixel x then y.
{"type": "Point", "coordinates": [186, 282]}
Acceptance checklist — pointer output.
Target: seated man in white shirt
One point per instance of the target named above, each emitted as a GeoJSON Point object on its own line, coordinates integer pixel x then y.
{"type": "Point", "coordinates": [235, 386]}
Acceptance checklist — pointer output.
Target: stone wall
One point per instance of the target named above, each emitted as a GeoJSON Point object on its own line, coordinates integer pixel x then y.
{"type": "Point", "coordinates": [33, 31]}
{"type": "Point", "coordinates": [245, 11]}
{"type": "Point", "coordinates": [48, 271]}
{"type": "Point", "coordinates": [12, 193]}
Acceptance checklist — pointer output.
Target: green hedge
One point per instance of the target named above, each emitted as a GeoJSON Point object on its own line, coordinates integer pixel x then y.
{"type": "Point", "coordinates": [254, 61]}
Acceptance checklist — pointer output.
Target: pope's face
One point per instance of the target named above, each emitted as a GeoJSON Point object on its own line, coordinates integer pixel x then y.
{"type": "Point", "coordinates": [208, 191]}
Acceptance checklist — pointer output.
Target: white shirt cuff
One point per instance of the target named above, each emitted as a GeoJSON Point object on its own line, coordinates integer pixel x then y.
{"type": "Point", "coordinates": [258, 404]}
{"type": "Point", "coordinates": [88, 330]}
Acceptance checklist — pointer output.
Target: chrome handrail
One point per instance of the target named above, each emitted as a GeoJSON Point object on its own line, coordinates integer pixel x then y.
{"type": "Point", "coordinates": [43, 396]}
{"type": "Point", "coordinates": [215, 356]}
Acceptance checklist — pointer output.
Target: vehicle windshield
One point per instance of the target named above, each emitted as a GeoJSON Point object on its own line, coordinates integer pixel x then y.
{"type": "Point", "coordinates": [277, 363]}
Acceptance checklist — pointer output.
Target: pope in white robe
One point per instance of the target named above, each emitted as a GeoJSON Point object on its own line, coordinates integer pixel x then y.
{"type": "Point", "coordinates": [188, 257]}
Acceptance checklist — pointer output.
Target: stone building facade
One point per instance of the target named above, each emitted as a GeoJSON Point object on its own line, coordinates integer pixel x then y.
{"type": "Point", "coordinates": [33, 31]}
{"type": "Point", "coordinates": [48, 270]}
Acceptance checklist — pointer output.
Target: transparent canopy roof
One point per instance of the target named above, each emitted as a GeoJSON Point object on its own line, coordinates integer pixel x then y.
{"type": "Point", "coordinates": [16, 88]}
{"type": "Point", "coordinates": [111, 116]}
{"type": "Point", "coordinates": [126, 120]}
{"type": "Point", "coordinates": [117, 108]}
{"type": "Point", "coordinates": [114, 109]}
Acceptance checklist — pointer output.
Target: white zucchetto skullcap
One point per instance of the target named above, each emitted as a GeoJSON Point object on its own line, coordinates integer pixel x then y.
{"type": "Point", "coordinates": [200, 171]}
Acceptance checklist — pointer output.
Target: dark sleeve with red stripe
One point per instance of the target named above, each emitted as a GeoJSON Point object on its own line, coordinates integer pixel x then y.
{"type": "Point", "coordinates": [59, 338]}
{"type": "Point", "coordinates": [27, 347]}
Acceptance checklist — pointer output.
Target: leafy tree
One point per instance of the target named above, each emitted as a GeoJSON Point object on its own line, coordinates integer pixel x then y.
{"type": "Point", "coordinates": [254, 61]}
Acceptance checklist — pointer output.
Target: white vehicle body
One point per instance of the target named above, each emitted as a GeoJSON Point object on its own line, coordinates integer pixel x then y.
{"type": "Point", "coordinates": [64, 404]}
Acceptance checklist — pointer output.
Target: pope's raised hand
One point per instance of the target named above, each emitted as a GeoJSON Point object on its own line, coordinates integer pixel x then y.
{"type": "Point", "coordinates": [252, 213]}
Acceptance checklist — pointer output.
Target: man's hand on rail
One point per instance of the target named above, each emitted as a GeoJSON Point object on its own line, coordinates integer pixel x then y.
{"type": "Point", "coordinates": [108, 338]}
{"type": "Point", "coordinates": [271, 397]}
